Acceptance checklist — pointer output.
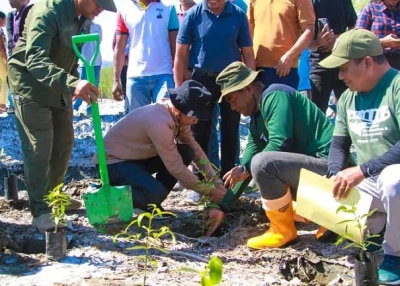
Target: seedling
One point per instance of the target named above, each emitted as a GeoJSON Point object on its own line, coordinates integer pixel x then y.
{"type": "Point", "coordinates": [208, 184]}
{"type": "Point", "coordinates": [57, 200]}
{"type": "Point", "coordinates": [364, 241]}
{"type": "Point", "coordinates": [152, 238]}
{"type": "Point", "coordinates": [212, 274]}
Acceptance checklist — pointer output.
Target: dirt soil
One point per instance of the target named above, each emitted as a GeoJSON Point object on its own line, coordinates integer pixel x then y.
{"type": "Point", "coordinates": [94, 259]}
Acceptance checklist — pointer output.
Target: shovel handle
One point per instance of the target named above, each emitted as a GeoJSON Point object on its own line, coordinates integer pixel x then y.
{"type": "Point", "coordinates": [89, 66]}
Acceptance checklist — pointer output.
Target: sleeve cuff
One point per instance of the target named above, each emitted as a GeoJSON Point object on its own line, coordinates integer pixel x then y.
{"type": "Point", "coordinates": [365, 169]}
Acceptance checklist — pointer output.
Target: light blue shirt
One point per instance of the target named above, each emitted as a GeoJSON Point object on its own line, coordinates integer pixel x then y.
{"type": "Point", "coordinates": [89, 47]}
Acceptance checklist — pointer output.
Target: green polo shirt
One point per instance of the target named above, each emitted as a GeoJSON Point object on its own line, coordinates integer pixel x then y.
{"type": "Point", "coordinates": [285, 115]}
{"type": "Point", "coordinates": [42, 67]}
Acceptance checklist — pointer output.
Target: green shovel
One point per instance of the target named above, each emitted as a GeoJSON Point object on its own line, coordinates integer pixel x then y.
{"type": "Point", "coordinates": [108, 204]}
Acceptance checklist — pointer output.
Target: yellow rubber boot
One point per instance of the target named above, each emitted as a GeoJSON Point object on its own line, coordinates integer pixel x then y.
{"type": "Point", "coordinates": [281, 232]}
{"type": "Point", "coordinates": [296, 217]}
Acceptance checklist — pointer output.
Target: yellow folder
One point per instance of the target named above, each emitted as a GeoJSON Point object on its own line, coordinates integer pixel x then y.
{"type": "Point", "coordinates": [315, 202]}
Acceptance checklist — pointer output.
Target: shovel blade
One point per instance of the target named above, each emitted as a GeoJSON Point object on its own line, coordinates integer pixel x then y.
{"type": "Point", "coordinates": [109, 204]}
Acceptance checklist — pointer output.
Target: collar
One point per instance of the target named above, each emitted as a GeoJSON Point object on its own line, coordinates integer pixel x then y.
{"type": "Point", "coordinates": [18, 13]}
{"type": "Point", "coordinates": [181, 12]}
{"type": "Point", "coordinates": [168, 104]}
{"type": "Point", "coordinates": [70, 10]}
{"type": "Point", "coordinates": [227, 9]}
{"type": "Point", "coordinates": [141, 5]}
{"type": "Point", "coordinates": [383, 7]}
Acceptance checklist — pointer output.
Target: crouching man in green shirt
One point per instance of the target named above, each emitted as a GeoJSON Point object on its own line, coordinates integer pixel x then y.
{"type": "Point", "coordinates": [43, 80]}
{"type": "Point", "coordinates": [368, 116]}
{"type": "Point", "coordinates": [287, 132]}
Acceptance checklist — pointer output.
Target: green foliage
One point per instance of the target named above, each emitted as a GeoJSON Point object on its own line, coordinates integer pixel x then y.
{"type": "Point", "coordinates": [57, 200]}
{"type": "Point", "coordinates": [212, 274]}
{"type": "Point", "coordinates": [207, 184]}
{"type": "Point", "coordinates": [359, 4]}
{"type": "Point", "coordinates": [364, 241]}
{"type": "Point", "coordinates": [106, 82]}
{"type": "Point", "coordinates": [152, 238]}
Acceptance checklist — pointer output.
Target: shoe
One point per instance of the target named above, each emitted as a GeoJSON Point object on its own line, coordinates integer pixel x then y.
{"type": "Point", "coordinates": [3, 114]}
{"type": "Point", "coordinates": [193, 199]}
{"type": "Point", "coordinates": [165, 216]}
{"type": "Point", "coordinates": [45, 222]}
{"type": "Point", "coordinates": [389, 271]}
{"type": "Point", "coordinates": [11, 110]}
{"type": "Point", "coordinates": [74, 205]}
{"type": "Point", "coordinates": [282, 230]}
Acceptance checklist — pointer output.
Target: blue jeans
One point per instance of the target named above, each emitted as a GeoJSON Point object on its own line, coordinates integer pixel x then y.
{"type": "Point", "coordinates": [83, 75]}
{"type": "Point", "coordinates": [143, 90]}
{"type": "Point", "coordinates": [269, 77]}
{"type": "Point", "coordinates": [147, 189]}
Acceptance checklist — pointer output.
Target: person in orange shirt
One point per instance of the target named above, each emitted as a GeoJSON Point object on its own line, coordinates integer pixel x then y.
{"type": "Point", "coordinates": [281, 30]}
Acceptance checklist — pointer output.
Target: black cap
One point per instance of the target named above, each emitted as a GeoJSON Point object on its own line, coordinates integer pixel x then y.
{"type": "Point", "coordinates": [192, 99]}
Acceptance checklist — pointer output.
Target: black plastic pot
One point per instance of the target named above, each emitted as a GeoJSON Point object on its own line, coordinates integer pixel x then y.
{"type": "Point", "coordinates": [11, 187]}
{"type": "Point", "coordinates": [56, 243]}
{"type": "Point", "coordinates": [366, 271]}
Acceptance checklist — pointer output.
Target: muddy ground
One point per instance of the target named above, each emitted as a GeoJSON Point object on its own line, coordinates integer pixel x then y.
{"type": "Point", "coordinates": [94, 259]}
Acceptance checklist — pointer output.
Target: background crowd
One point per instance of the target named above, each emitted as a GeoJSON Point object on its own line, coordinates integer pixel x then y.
{"type": "Point", "coordinates": [244, 58]}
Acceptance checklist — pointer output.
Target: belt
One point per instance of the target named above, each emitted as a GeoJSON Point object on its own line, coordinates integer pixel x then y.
{"type": "Point", "coordinates": [202, 72]}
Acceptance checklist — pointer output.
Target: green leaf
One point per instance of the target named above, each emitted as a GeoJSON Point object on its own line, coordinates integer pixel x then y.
{"type": "Point", "coordinates": [341, 208]}
{"type": "Point", "coordinates": [136, 247]}
{"type": "Point", "coordinates": [160, 249]}
{"type": "Point", "coordinates": [140, 218]}
{"type": "Point", "coordinates": [154, 262]}
{"type": "Point", "coordinates": [205, 281]}
{"type": "Point", "coordinates": [345, 221]}
{"type": "Point", "coordinates": [215, 266]}
{"type": "Point", "coordinates": [191, 270]}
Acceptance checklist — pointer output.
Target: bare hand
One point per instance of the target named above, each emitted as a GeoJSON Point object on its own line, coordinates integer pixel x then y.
{"type": "Point", "coordinates": [87, 91]}
{"type": "Point", "coordinates": [325, 37]}
{"type": "Point", "coordinates": [234, 176]}
{"type": "Point", "coordinates": [117, 91]}
{"type": "Point", "coordinates": [391, 41]}
{"type": "Point", "coordinates": [327, 48]}
{"type": "Point", "coordinates": [284, 65]}
{"type": "Point", "coordinates": [217, 193]}
{"type": "Point", "coordinates": [214, 217]}
{"type": "Point", "coordinates": [345, 180]}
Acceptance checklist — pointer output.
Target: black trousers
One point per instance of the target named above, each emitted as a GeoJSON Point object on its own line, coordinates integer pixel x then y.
{"type": "Point", "coordinates": [323, 81]}
{"type": "Point", "coordinates": [147, 189]}
{"type": "Point", "coordinates": [229, 125]}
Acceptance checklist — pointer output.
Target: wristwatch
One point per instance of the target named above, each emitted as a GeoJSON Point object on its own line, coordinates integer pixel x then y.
{"type": "Point", "coordinates": [244, 169]}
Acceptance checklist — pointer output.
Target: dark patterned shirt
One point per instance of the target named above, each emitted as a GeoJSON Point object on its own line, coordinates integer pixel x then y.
{"type": "Point", "coordinates": [380, 20]}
